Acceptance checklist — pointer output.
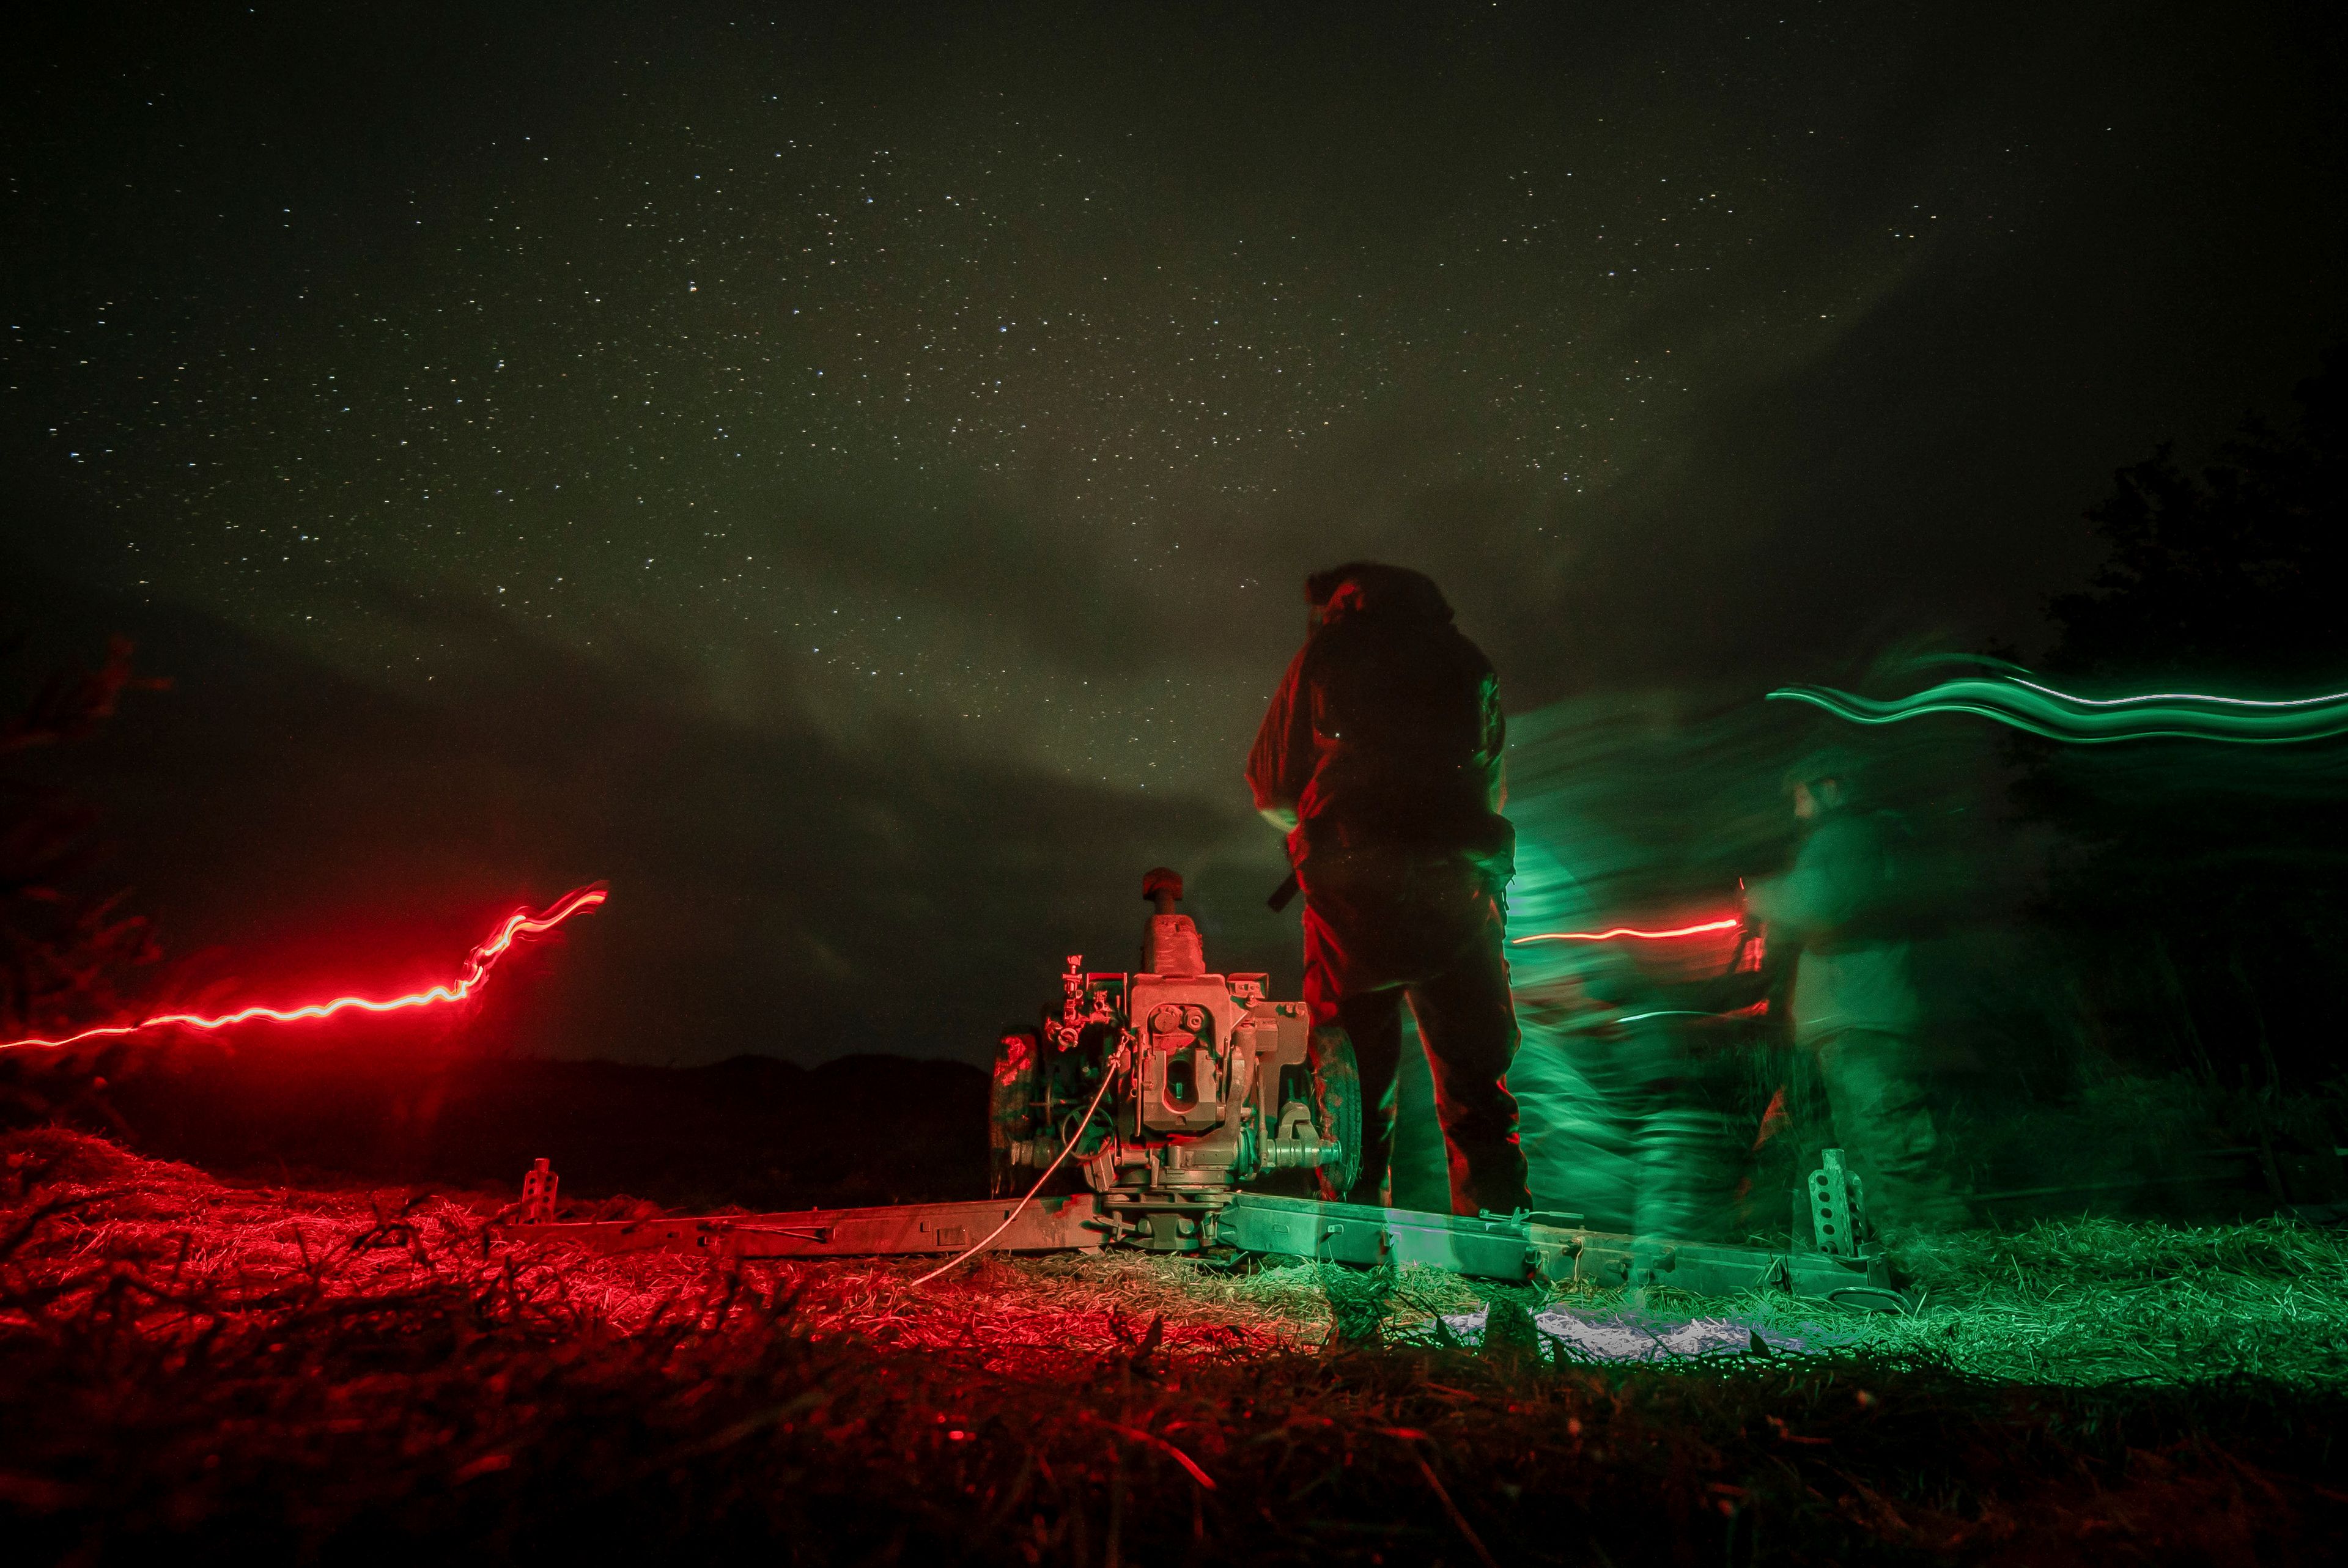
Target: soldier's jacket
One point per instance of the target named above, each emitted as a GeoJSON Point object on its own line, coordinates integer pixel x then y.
{"type": "Point", "coordinates": [1845, 901]}
{"type": "Point", "coordinates": [1387, 733]}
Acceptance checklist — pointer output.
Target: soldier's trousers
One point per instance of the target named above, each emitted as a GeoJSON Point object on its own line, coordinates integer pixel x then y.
{"type": "Point", "coordinates": [1875, 1092]}
{"type": "Point", "coordinates": [1382, 928]}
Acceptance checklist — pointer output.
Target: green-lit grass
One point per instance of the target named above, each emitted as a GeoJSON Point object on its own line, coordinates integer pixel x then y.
{"type": "Point", "coordinates": [2091, 1301]}
{"type": "Point", "coordinates": [2075, 1302]}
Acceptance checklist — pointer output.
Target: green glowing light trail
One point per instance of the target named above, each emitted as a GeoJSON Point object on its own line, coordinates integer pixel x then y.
{"type": "Point", "coordinates": [2096, 720]}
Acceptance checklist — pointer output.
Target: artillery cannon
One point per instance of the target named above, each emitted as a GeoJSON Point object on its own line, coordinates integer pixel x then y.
{"type": "Point", "coordinates": [1217, 1086]}
{"type": "Point", "coordinates": [1172, 1091]}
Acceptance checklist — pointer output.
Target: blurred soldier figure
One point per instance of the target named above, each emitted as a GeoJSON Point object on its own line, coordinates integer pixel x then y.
{"type": "Point", "coordinates": [1847, 904]}
{"type": "Point", "coordinates": [1380, 758]}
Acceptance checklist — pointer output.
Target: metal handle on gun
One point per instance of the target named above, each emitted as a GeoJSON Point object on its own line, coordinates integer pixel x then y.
{"type": "Point", "coordinates": [1286, 894]}
{"type": "Point", "coordinates": [1746, 931]}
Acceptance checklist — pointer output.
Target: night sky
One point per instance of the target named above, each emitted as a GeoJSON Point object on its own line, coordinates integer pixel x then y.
{"type": "Point", "coordinates": [845, 477]}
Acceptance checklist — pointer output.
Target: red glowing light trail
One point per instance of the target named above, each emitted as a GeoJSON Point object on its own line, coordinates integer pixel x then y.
{"type": "Point", "coordinates": [476, 969]}
{"type": "Point", "coordinates": [1727, 923]}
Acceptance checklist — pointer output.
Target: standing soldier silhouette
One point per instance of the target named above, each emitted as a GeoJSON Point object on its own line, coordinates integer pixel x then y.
{"type": "Point", "coordinates": [1851, 902]}
{"type": "Point", "coordinates": [1380, 757]}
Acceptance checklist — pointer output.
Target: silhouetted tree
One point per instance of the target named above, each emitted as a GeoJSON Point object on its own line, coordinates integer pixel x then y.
{"type": "Point", "coordinates": [2233, 576]}
{"type": "Point", "coordinates": [2204, 880]}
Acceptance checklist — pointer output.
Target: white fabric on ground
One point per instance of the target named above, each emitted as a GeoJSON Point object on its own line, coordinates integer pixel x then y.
{"type": "Point", "coordinates": [1621, 1338]}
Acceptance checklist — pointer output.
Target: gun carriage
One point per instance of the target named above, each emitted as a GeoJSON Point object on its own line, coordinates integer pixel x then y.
{"type": "Point", "coordinates": [1176, 1094]}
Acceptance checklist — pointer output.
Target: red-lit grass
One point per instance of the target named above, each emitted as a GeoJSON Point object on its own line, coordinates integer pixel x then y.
{"type": "Point", "coordinates": [203, 1371]}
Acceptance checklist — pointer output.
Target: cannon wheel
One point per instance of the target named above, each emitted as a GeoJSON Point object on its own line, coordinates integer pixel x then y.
{"type": "Point", "coordinates": [1337, 1110]}
{"type": "Point", "coordinates": [1014, 1098]}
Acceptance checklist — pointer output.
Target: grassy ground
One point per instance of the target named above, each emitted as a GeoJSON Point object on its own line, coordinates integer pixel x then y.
{"type": "Point", "coordinates": [208, 1368]}
{"type": "Point", "coordinates": [2091, 1302]}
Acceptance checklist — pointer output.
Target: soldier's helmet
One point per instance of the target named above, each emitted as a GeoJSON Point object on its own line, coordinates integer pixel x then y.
{"type": "Point", "coordinates": [1839, 764]}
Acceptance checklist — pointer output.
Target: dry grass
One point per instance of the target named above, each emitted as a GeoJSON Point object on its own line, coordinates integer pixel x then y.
{"type": "Point", "coordinates": [205, 1369]}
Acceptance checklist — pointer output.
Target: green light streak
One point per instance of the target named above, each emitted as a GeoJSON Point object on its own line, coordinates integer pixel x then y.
{"type": "Point", "coordinates": [2096, 720]}
{"type": "Point", "coordinates": [2179, 697]}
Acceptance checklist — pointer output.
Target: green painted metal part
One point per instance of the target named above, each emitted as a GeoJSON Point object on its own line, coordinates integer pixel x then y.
{"type": "Point", "coordinates": [914, 1230]}
{"type": "Point", "coordinates": [1715, 1269]}
{"type": "Point", "coordinates": [1540, 1246]}
{"type": "Point", "coordinates": [1518, 1249]}
{"type": "Point", "coordinates": [1360, 1235]}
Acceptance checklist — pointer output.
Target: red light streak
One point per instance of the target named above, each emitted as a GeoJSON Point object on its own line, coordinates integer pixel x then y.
{"type": "Point", "coordinates": [477, 964]}
{"type": "Point", "coordinates": [1729, 923]}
